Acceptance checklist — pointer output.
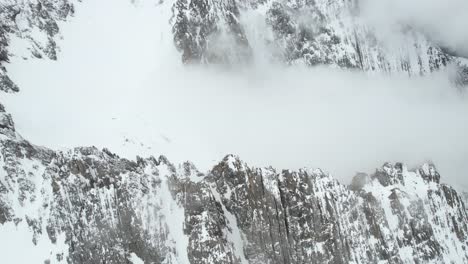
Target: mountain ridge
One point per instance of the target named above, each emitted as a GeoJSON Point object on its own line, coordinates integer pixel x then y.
{"type": "Point", "coordinates": [217, 32]}
{"type": "Point", "coordinates": [86, 197]}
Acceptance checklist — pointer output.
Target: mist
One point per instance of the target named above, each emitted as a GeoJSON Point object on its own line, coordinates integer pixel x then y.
{"type": "Point", "coordinates": [442, 21]}
{"type": "Point", "coordinates": [120, 92]}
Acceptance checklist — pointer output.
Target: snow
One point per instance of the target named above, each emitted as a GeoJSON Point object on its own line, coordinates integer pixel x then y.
{"type": "Point", "coordinates": [270, 181]}
{"type": "Point", "coordinates": [20, 235]}
{"type": "Point", "coordinates": [414, 188]}
{"type": "Point", "coordinates": [135, 259]}
{"type": "Point", "coordinates": [174, 218]}
{"type": "Point", "coordinates": [234, 234]}
{"type": "Point", "coordinates": [231, 163]}
{"type": "Point", "coordinates": [14, 237]}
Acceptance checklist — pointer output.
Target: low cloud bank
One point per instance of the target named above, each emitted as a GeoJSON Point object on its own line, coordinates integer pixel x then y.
{"type": "Point", "coordinates": [119, 92]}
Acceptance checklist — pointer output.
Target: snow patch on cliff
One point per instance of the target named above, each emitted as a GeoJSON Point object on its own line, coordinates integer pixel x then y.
{"type": "Point", "coordinates": [19, 236]}
{"type": "Point", "coordinates": [234, 234]}
{"type": "Point", "coordinates": [174, 218]}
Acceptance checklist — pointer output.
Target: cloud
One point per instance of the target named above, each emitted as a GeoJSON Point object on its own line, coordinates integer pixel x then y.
{"type": "Point", "coordinates": [443, 21]}
{"type": "Point", "coordinates": [127, 88]}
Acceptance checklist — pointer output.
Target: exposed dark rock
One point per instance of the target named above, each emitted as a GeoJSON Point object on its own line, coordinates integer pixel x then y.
{"type": "Point", "coordinates": [42, 15]}
{"type": "Point", "coordinates": [209, 31]}
{"type": "Point", "coordinates": [304, 32]}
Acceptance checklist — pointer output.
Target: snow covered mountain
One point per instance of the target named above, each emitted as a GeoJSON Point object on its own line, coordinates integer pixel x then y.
{"type": "Point", "coordinates": [86, 205]}
{"type": "Point", "coordinates": [90, 206]}
{"type": "Point", "coordinates": [34, 21]}
{"type": "Point", "coordinates": [304, 32]}
{"type": "Point", "coordinates": [228, 32]}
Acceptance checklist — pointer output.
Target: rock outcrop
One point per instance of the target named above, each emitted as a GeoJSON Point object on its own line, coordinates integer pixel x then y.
{"type": "Point", "coordinates": [35, 22]}
{"type": "Point", "coordinates": [320, 32]}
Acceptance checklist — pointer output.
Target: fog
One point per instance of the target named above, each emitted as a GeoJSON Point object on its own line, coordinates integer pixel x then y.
{"type": "Point", "coordinates": [112, 88]}
{"type": "Point", "coordinates": [443, 21]}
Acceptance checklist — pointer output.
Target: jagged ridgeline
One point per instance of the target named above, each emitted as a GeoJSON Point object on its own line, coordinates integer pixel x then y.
{"type": "Point", "coordinates": [319, 32]}
{"type": "Point", "coordinates": [301, 32]}
{"type": "Point", "coordinates": [102, 209]}
{"type": "Point", "coordinates": [87, 205]}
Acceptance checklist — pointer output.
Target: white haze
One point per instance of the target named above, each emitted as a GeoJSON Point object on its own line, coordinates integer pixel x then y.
{"type": "Point", "coordinates": [444, 21]}
{"type": "Point", "coordinates": [119, 84]}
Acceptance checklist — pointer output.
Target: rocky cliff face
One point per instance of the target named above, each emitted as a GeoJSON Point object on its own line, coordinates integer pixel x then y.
{"type": "Point", "coordinates": [37, 23]}
{"type": "Point", "coordinates": [103, 209]}
{"type": "Point", "coordinates": [303, 32]}
{"type": "Point", "coordinates": [320, 32]}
